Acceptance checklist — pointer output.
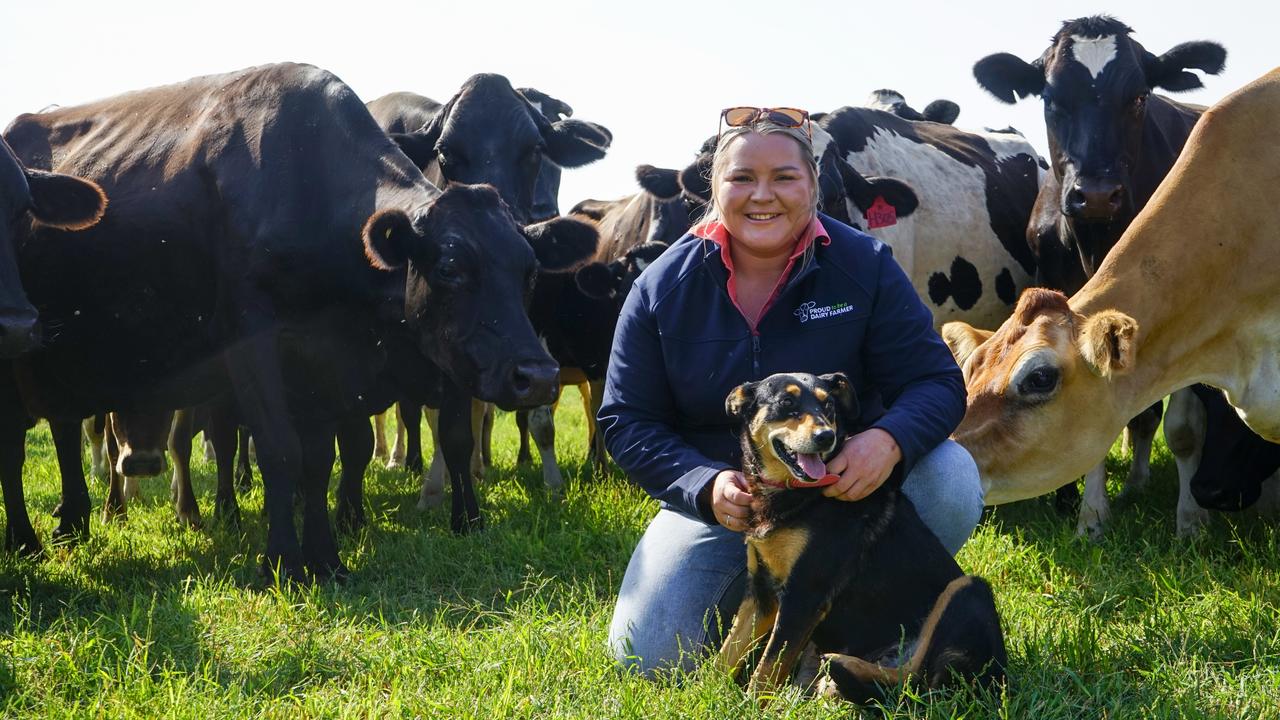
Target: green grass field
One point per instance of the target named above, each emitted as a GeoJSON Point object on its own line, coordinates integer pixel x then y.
{"type": "Point", "coordinates": [150, 620]}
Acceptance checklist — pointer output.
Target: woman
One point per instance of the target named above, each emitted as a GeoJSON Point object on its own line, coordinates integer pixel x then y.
{"type": "Point", "coordinates": [765, 284]}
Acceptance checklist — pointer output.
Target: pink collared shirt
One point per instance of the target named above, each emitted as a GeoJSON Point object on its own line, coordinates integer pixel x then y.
{"type": "Point", "coordinates": [717, 233]}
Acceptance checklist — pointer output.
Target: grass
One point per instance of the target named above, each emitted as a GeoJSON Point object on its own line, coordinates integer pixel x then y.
{"type": "Point", "coordinates": [146, 619]}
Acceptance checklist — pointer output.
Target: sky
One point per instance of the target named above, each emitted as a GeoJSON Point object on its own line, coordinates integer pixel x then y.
{"type": "Point", "coordinates": [655, 72]}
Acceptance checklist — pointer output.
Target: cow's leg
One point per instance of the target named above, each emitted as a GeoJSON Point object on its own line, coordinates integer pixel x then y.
{"type": "Point", "coordinates": [115, 504]}
{"type": "Point", "coordinates": [1095, 507]}
{"type": "Point", "coordinates": [412, 412]}
{"type": "Point", "coordinates": [596, 453]}
{"type": "Point", "coordinates": [254, 367]}
{"type": "Point", "coordinates": [523, 456]}
{"type": "Point", "coordinates": [319, 546]}
{"type": "Point", "coordinates": [1184, 433]}
{"type": "Point", "coordinates": [93, 429]}
{"type": "Point", "coordinates": [223, 432]}
{"type": "Point", "coordinates": [1066, 499]}
{"type": "Point", "coordinates": [432, 493]}
{"type": "Point", "coordinates": [458, 443]}
{"type": "Point", "coordinates": [355, 445]}
{"type": "Point", "coordinates": [184, 496]}
{"type": "Point", "coordinates": [380, 450]}
{"type": "Point", "coordinates": [542, 427]}
{"type": "Point", "coordinates": [19, 536]}
{"type": "Point", "coordinates": [487, 438]}
{"type": "Point", "coordinates": [243, 471]}
{"type": "Point", "coordinates": [396, 458]}
{"type": "Point", "coordinates": [1141, 432]}
{"type": "Point", "coordinates": [73, 521]}
{"type": "Point", "coordinates": [479, 409]}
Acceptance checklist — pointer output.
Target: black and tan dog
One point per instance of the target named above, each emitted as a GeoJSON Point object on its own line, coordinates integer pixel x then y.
{"type": "Point", "coordinates": [867, 582]}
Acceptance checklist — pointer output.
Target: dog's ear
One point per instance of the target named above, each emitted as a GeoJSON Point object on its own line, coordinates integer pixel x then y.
{"type": "Point", "coordinates": [739, 398]}
{"type": "Point", "coordinates": [838, 385]}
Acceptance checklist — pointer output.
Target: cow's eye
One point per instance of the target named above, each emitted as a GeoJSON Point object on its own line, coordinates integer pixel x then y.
{"type": "Point", "coordinates": [449, 272]}
{"type": "Point", "coordinates": [1041, 381]}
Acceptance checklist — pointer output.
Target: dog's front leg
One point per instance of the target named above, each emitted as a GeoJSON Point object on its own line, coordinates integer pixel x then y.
{"type": "Point", "coordinates": [798, 615]}
{"type": "Point", "coordinates": [754, 619]}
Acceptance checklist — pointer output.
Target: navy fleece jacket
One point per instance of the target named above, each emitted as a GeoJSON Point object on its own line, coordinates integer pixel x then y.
{"type": "Point", "coordinates": [681, 345]}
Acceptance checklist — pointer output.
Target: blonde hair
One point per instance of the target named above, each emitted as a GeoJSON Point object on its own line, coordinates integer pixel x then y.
{"type": "Point", "coordinates": [720, 159]}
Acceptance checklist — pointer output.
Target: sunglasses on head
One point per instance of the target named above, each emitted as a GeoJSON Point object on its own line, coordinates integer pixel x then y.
{"type": "Point", "coordinates": [786, 117]}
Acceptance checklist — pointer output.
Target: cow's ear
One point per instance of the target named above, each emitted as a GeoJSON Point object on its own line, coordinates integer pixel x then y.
{"type": "Point", "coordinates": [65, 202]}
{"type": "Point", "coordinates": [963, 339]}
{"type": "Point", "coordinates": [864, 191]}
{"type": "Point", "coordinates": [1109, 342]}
{"type": "Point", "coordinates": [418, 146]}
{"type": "Point", "coordinates": [598, 280]}
{"type": "Point", "coordinates": [662, 183]}
{"type": "Point", "coordinates": [942, 111]}
{"type": "Point", "coordinates": [696, 179]}
{"type": "Point", "coordinates": [573, 143]}
{"type": "Point", "coordinates": [839, 387]}
{"type": "Point", "coordinates": [562, 243]}
{"type": "Point", "coordinates": [739, 399]}
{"type": "Point", "coordinates": [389, 237]}
{"type": "Point", "coordinates": [1009, 77]}
{"type": "Point", "coordinates": [1170, 71]}
{"type": "Point", "coordinates": [589, 208]}
{"type": "Point", "coordinates": [551, 108]}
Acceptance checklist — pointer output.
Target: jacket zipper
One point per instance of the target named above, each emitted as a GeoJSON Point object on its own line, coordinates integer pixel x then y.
{"type": "Point", "coordinates": [755, 353]}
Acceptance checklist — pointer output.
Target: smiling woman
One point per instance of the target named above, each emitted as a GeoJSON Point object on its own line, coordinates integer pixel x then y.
{"type": "Point", "coordinates": [765, 284]}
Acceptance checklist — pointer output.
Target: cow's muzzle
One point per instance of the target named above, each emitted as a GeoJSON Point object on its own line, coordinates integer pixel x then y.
{"type": "Point", "coordinates": [141, 464]}
{"type": "Point", "coordinates": [19, 333]}
{"type": "Point", "coordinates": [1094, 199]}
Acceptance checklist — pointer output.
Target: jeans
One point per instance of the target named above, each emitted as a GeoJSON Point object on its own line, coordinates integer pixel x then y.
{"type": "Point", "coordinates": [684, 571]}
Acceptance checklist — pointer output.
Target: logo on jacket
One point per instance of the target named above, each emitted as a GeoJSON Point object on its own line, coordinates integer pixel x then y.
{"type": "Point", "coordinates": [807, 311]}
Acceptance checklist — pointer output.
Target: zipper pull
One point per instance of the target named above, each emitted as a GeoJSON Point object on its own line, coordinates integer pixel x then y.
{"type": "Point", "coordinates": [755, 355]}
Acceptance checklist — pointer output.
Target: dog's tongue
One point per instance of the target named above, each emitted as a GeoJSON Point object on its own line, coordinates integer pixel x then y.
{"type": "Point", "coordinates": [812, 465]}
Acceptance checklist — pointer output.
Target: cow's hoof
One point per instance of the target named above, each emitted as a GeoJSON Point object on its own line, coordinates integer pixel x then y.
{"type": "Point", "coordinates": [350, 519]}
{"type": "Point", "coordinates": [430, 500]}
{"type": "Point", "coordinates": [71, 530]}
{"type": "Point", "coordinates": [190, 520]}
{"type": "Point", "coordinates": [114, 515]}
{"type": "Point", "coordinates": [1093, 531]}
{"type": "Point", "coordinates": [228, 516]}
{"type": "Point", "coordinates": [464, 526]}
{"type": "Point", "coordinates": [27, 547]}
{"type": "Point", "coordinates": [281, 570]}
{"type": "Point", "coordinates": [329, 571]}
{"type": "Point", "coordinates": [1191, 522]}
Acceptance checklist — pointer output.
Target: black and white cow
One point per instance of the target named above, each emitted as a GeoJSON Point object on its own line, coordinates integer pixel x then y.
{"type": "Point", "coordinates": [1112, 140]}
{"type": "Point", "coordinates": [267, 236]}
{"type": "Point", "coordinates": [892, 101]}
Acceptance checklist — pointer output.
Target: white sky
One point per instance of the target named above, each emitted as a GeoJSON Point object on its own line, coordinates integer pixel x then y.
{"type": "Point", "coordinates": [655, 72]}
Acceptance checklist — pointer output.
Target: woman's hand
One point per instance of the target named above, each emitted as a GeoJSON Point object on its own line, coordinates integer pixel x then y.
{"type": "Point", "coordinates": [863, 464]}
{"type": "Point", "coordinates": [730, 500]}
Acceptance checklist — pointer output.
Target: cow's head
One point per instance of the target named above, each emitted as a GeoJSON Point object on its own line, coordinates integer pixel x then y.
{"type": "Point", "coordinates": [27, 196]}
{"type": "Point", "coordinates": [669, 213]}
{"type": "Point", "coordinates": [471, 272]}
{"type": "Point", "coordinates": [612, 281]}
{"type": "Point", "coordinates": [892, 101]}
{"type": "Point", "coordinates": [141, 440]}
{"type": "Point", "coordinates": [491, 134]}
{"type": "Point", "coordinates": [1095, 80]}
{"type": "Point", "coordinates": [1031, 382]}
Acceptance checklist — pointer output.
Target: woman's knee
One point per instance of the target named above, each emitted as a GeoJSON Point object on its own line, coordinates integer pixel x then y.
{"type": "Point", "coordinates": [946, 489]}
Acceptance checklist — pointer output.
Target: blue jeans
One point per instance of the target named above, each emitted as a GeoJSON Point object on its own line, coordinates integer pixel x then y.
{"type": "Point", "coordinates": [684, 570]}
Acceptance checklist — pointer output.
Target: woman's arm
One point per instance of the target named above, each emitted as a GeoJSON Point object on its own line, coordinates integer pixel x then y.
{"type": "Point", "coordinates": [638, 412]}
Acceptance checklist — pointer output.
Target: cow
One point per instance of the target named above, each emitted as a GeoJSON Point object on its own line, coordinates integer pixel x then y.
{"type": "Point", "coordinates": [515, 140]}
{"type": "Point", "coordinates": [1051, 388]}
{"type": "Point", "coordinates": [265, 235]}
{"type": "Point", "coordinates": [1111, 142]}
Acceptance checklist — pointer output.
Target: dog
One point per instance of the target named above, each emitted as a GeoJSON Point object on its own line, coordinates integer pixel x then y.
{"type": "Point", "coordinates": [866, 582]}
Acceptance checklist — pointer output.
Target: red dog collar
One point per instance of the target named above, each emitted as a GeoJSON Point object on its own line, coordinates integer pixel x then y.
{"type": "Point", "coordinates": [790, 484]}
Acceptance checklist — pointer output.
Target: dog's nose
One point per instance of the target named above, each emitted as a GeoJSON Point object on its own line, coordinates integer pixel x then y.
{"type": "Point", "coordinates": [824, 436]}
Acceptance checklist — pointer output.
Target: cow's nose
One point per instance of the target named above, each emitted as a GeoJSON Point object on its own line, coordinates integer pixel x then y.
{"type": "Point", "coordinates": [141, 464]}
{"type": "Point", "coordinates": [535, 381]}
{"type": "Point", "coordinates": [1095, 199]}
{"type": "Point", "coordinates": [824, 437]}
{"type": "Point", "coordinates": [18, 334]}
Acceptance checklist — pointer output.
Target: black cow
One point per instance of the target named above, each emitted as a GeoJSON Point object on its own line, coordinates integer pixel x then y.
{"type": "Point", "coordinates": [1112, 140]}
{"type": "Point", "coordinates": [264, 233]}
{"type": "Point", "coordinates": [47, 199]}
{"type": "Point", "coordinates": [490, 133]}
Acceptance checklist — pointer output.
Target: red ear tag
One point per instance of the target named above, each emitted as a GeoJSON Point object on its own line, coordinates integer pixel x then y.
{"type": "Point", "coordinates": [881, 214]}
